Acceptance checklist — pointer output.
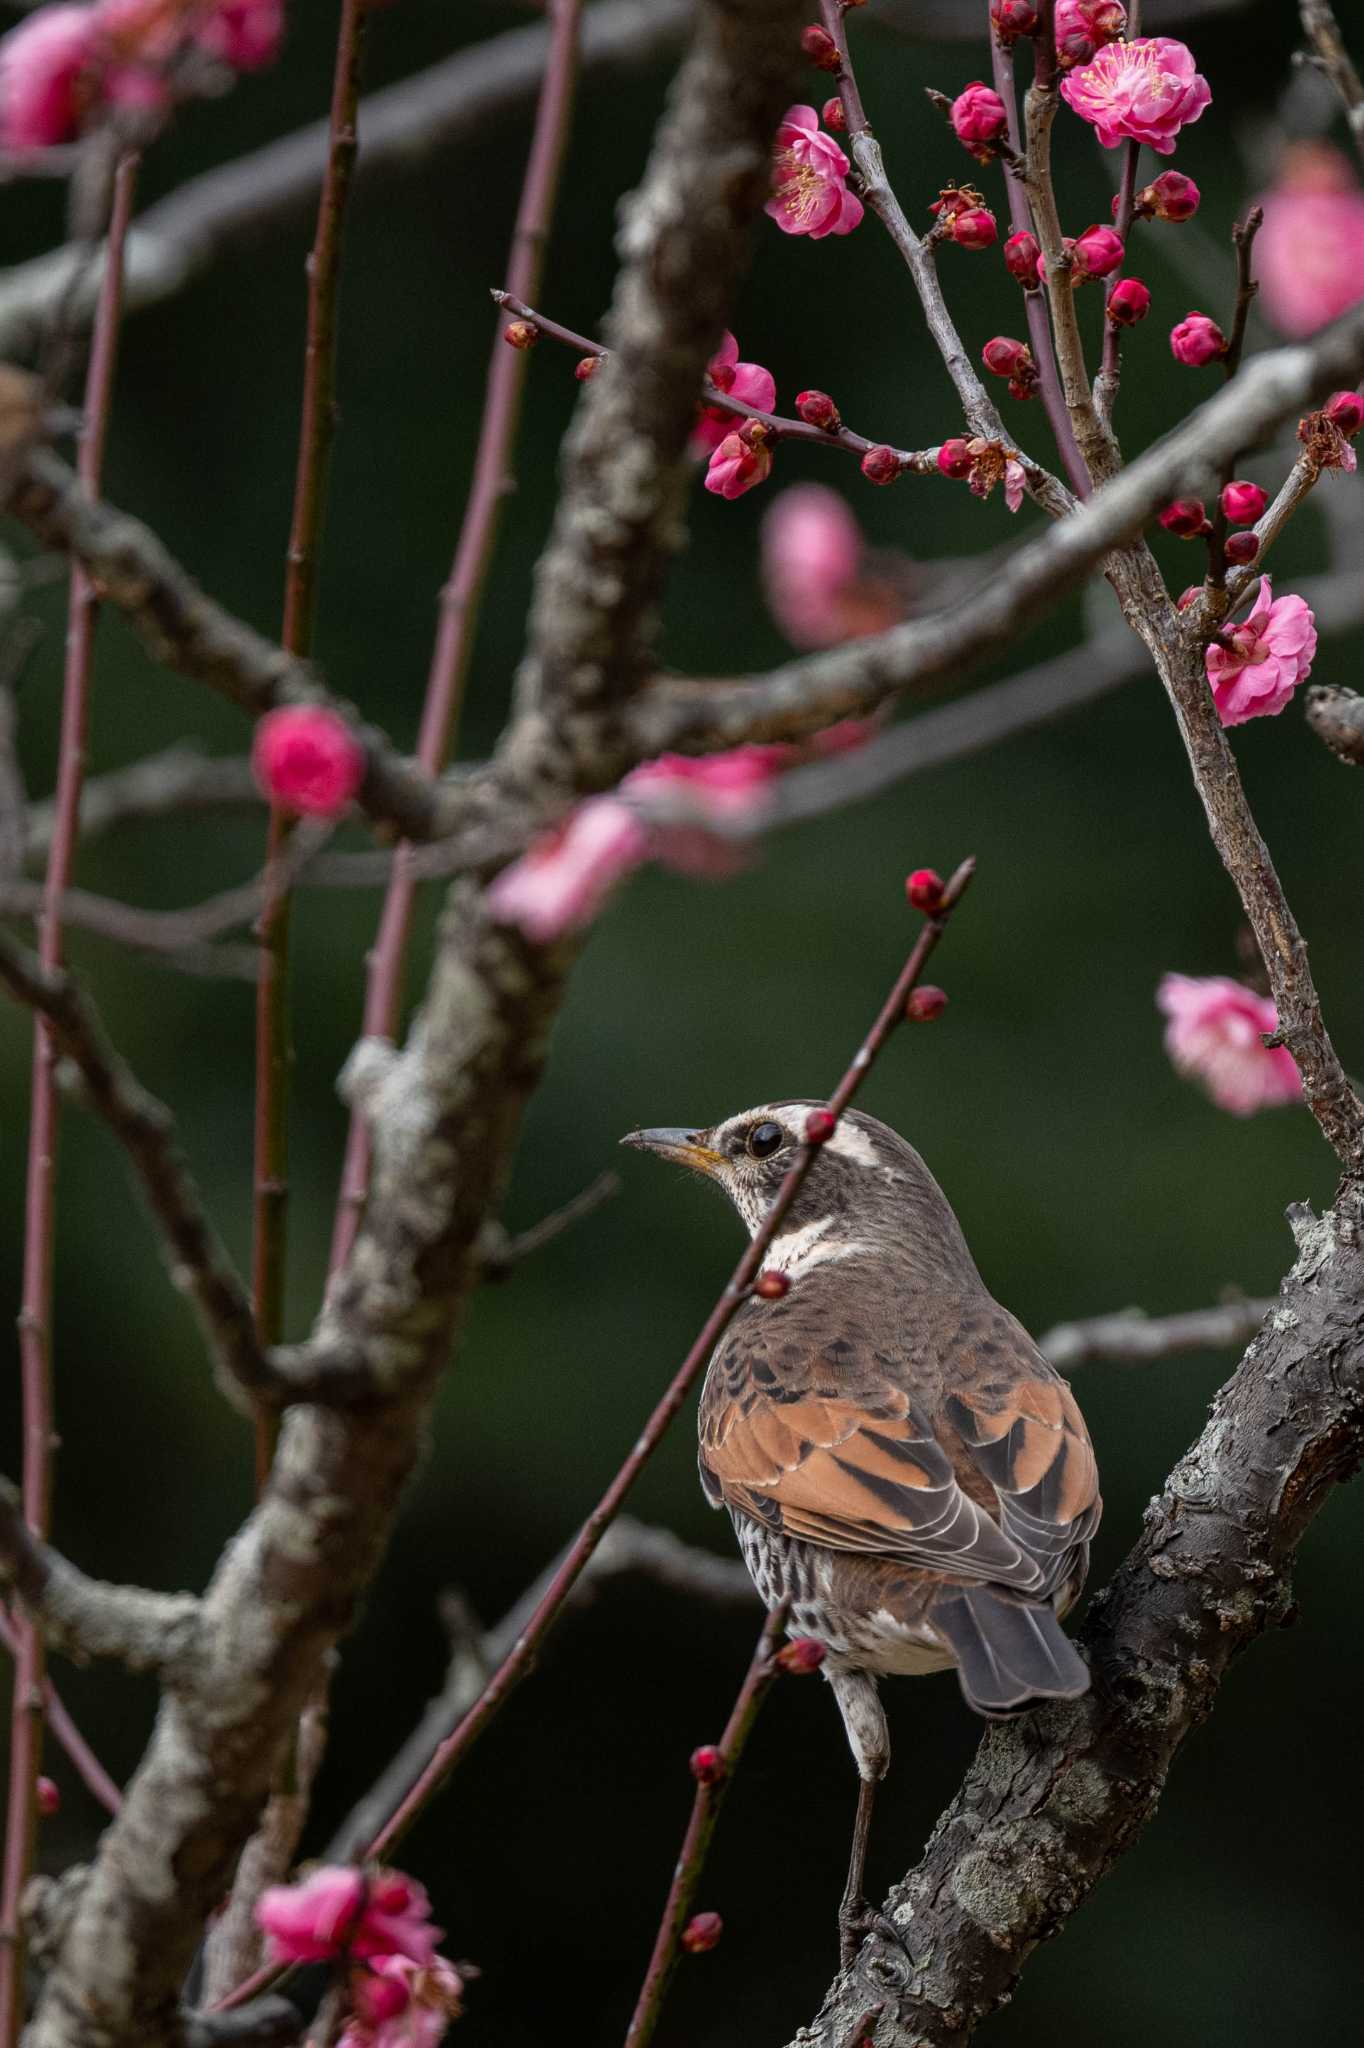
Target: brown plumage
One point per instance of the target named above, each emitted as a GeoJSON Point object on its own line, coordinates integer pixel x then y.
{"type": "Point", "coordinates": [899, 1460]}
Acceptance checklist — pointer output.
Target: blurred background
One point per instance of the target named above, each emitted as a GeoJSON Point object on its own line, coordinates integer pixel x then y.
{"type": "Point", "coordinates": [1087, 1175]}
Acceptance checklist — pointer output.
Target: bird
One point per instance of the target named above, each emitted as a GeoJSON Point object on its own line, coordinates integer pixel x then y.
{"type": "Point", "coordinates": [899, 1461]}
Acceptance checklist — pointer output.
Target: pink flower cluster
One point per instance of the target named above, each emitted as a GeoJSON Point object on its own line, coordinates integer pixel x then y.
{"type": "Point", "coordinates": [67, 64]}
{"type": "Point", "coordinates": [817, 585]}
{"type": "Point", "coordinates": [402, 1994]}
{"type": "Point", "coordinates": [810, 193]}
{"type": "Point", "coordinates": [1309, 254]}
{"type": "Point", "coordinates": [740, 449]}
{"type": "Point", "coordinates": [1215, 1036]}
{"type": "Point", "coordinates": [1256, 672]}
{"type": "Point", "coordinates": [1143, 91]}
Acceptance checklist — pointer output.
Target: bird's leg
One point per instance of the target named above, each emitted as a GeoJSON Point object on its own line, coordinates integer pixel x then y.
{"type": "Point", "coordinates": [855, 1918]}
{"type": "Point", "coordinates": [869, 1739]}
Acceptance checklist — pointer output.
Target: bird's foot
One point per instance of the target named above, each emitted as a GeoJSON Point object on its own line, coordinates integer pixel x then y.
{"type": "Point", "coordinates": [856, 1920]}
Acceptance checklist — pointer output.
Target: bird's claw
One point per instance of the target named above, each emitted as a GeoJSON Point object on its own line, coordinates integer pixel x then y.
{"type": "Point", "coordinates": [856, 1920]}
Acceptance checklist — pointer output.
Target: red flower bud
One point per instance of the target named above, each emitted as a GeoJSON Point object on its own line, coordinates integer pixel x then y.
{"type": "Point", "coordinates": [834, 115]}
{"type": "Point", "coordinates": [925, 1004]}
{"type": "Point", "coordinates": [975, 228]}
{"type": "Point", "coordinates": [817, 409]}
{"type": "Point", "coordinates": [1005, 357]}
{"type": "Point", "coordinates": [1242, 547]}
{"type": "Point", "coordinates": [1171, 196]}
{"type": "Point", "coordinates": [801, 1656]}
{"type": "Point", "coordinates": [820, 1126]}
{"type": "Point", "coordinates": [1345, 411]}
{"type": "Point", "coordinates": [1020, 259]}
{"type": "Point", "coordinates": [706, 1764]}
{"type": "Point", "coordinates": [1243, 502]}
{"type": "Point", "coordinates": [978, 117]}
{"type": "Point", "coordinates": [1128, 302]}
{"type": "Point", "coordinates": [1186, 597]}
{"type": "Point", "coordinates": [701, 1932]}
{"type": "Point", "coordinates": [954, 457]}
{"type": "Point", "coordinates": [1186, 518]}
{"type": "Point", "coordinates": [880, 465]}
{"type": "Point", "coordinates": [47, 1798]}
{"type": "Point", "coordinates": [1013, 18]}
{"type": "Point", "coordinates": [521, 334]}
{"type": "Point", "coordinates": [1096, 253]}
{"type": "Point", "coordinates": [1197, 340]}
{"type": "Point", "coordinates": [820, 47]}
{"type": "Point", "coordinates": [586, 368]}
{"type": "Point", "coordinates": [771, 1286]}
{"type": "Point", "coordinates": [924, 890]}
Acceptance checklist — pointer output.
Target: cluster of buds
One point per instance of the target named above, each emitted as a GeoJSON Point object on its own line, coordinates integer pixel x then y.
{"type": "Point", "coordinates": [1083, 27]}
{"type": "Point", "coordinates": [820, 47]}
{"type": "Point", "coordinates": [984, 464]}
{"type": "Point", "coordinates": [980, 121]}
{"type": "Point", "coordinates": [1023, 259]}
{"type": "Point", "coordinates": [1171, 197]}
{"type": "Point", "coordinates": [962, 217]}
{"type": "Point", "coordinates": [1014, 360]}
{"type": "Point", "coordinates": [1197, 340]}
{"type": "Point", "coordinates": [1326, 435]}
{"type": "Point", "coordinates": [817, 409]}
{"type": "Point", "coordinates": [1011, 19]}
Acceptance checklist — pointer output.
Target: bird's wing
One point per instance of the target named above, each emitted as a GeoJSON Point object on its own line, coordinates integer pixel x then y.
{"type": "Point", "coordinates": [826, 1445]}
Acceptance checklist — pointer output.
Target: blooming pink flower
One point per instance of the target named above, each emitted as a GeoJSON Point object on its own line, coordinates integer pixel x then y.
{"type": "Point", "coordinates": [565, 877]}
{"type": "Point", "coordinates": [49, 71]}
{"type": "Point", "coordinates": [308, 758]}
{"type": "Point", "coordinates": [1309, 255]}
{"type": "Point", "coordinates": [978, 117]}
{"type": "Point", "coordinates": [1144, 91]}
{"type": "Point", "coordinates": [1214, 1036]}
{"type": "Point", "coordinates": [1268, 656]}
{"type": "Point", "coordinates": [812, 566]}
{"type": "Point", "coordinates": [810, 172]}
{"type": "Point", "coordinates": [742, 460]}
{"type": "Point", "coordinates": [700, 810]}
{"type": "Point", "coordinates": [750, 383]}
{"type": "Point", "coordinates": [401, 2004]}
{"type": "Point", "coordinates": [1196, 340]}
{"type": "Point", "coordinates": [1097, 252]}
{"type": "Point", "coordinates": [339, 1910]}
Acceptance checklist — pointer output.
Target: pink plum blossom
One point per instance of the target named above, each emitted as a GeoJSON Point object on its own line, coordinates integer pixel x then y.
{"type": "Point", "coordinates": [339, 1910]}
{"type": "Point", "coordinates": [1143, 91]}
{"type": "Point", "coordinates": [702, 809]}
{"type": "Point", "coordinates": [748, 382]}
{"type": "Point", "coordinates": [401, 2004]}
{"type": "Point", "coordinates": [817, 587]}
{"type": "Point", "coordinates": [810, 180]}
{"type": "Point", "coordinates": [307, 757]}
{"type": "Point", "coordinates": [1214, 1036]}
{"type": "Point", "coordinates": [1268, 656]}
{"type": "Point", "coordinates": [1097, 252]}
{"type": "Point", "coordinates": [562, 881]}
{"type": "Point", "coordinates": [743, 459]}
{"type": "Point", "coordinates": [1309, 255]}
{"type": "Point", "coordinates": [978, 117]}
{"type": "Point", "coordinates": [49, 69]}
{"type": "Point", "coordinates": [1197, 340]}
{"type": "Point", "coordinates": [245, 34]}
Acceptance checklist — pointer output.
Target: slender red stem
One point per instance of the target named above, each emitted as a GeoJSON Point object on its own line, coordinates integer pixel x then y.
{"type": "Point", "coordinates": [35, 1315]}
{"type": "Point", "coordinates": [459, 603]}
{"type": "Point", "coordinates": [705, 1811]}
{"type": "Point", "coordinates": [83, 1760]}
{"type": "Point", "coordinates": [316, 432]}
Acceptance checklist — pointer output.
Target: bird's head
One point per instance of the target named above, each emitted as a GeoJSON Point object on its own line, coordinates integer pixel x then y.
{"type": "Point", "coordinates": [867, 1188]}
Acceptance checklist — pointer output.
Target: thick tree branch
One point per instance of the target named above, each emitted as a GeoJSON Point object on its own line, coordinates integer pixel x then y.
{"type": "Point", "coordinates": [89, 1618]}
{"type": "Point", "coordinates": [1336, 715]}
{"type": "Point", "coordinates": [1054, 1798]}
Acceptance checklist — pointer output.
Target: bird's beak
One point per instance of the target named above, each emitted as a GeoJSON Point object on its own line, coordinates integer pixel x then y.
{"type": "Point", "coordinates": [688, 1148]}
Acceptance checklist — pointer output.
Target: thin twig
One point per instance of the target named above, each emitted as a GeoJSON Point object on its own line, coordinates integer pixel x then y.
{"type": "Point", "coordinates": [1110, 365]}
{"type": "Point", "coordinates": [82, 1758]}
{"type": "Point", "coordinates": [1243, 241]}
{"type": "Point", "coordinates": [500, 1253]}
{"type": "Point", "coordinates": [1323, 32]}
{"type": "Point", "coordinates": [460, 598]}
{"type": "Point", "coordinates": [35, 1315]}
{"type": "Point", "coordinates": [1131, 1337]}
{"type": "Point", "coordinates": [705, 1812]}
{"type": "Point", "coordinates": [174, 783]}
{"type": "Point", "coordinates": [515, 1666]}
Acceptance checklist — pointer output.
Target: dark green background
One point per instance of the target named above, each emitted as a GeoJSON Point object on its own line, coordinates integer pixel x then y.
{"type": "Point", "coordinates": [1086, 1175]}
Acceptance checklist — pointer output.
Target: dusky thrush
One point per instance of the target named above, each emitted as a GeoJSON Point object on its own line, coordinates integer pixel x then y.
{"type": "Point", "coordinates": [898, 1459]}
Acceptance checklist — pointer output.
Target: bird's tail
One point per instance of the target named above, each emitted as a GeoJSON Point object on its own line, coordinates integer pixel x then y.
{"type": "Point", "coordinates": [1009, 1652]}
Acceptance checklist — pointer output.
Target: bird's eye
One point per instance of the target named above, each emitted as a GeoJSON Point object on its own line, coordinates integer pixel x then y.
{"type": "Point", "coordinates": [765, 1139]}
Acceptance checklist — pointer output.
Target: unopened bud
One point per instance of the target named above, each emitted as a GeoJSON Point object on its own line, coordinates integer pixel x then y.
{"type": "Point", "coordinates": [1243, 502]}
{"type": "Point", "coordinates": [834, 115]}
{"type": "Point", "coordinates": [820, 47]}
{"type": "Point", "coordinates": [47, 1798]}
{"type": "Point", "coordinates": [880, 465]}
{"type": "Point", "coordinates": [820, 1126]}
{"type": "Point", "coordinates": [801, 1656]}
{"type": "Point", "coordinates": [924, 890]}
{"type": "Point", "coordinates": [701, 1932]}
{"type": "Point", "coordinates": [954, 457]}
{"type": "Point", "coordinates": [1097, 252]}
{"type": "Point", "coordinates": [1243, 547]}
{"type": "Point", "coordinates": [925, 1004]}
{"type": "Point", "coordinates": [1013, 18]}
{"type": "Point", "coordinates": [771, 1286]}
{"type": "Point", "coordinates": [1171, 196]}
{"type": "Point", "coordinates": [706, 1764]}
{"type": "Point", "coordinates": [1006, 357]}
{"type": "Point", "coordinates": [1128, 302]}
{"type": "Point", "coordinates": [817, 409]}
{"type": "Point", "coordinates": [586, 368]}
{"type": "Point", "coordinates": [521, 334]}
{"type": "Point", "coordinates": [975, 228]}
{"type": "Point", "coordinates": [1021, 254]}
{"type": "Point", "coordinates": [1186, 518]}
{"type": "Point", "coordinates": [1345, 411]}
{"type": "Point", "coordinates": [1196, 340]}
